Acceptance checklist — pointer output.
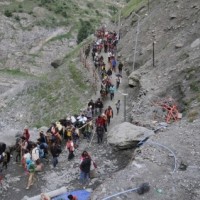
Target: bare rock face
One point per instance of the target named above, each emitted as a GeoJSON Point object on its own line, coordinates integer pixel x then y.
{"type": "Point", "coordinates": [196, 43]}
{"type": "Point", "coordinates": [134, 79]}
{"type": "Point", "coordinates": [127, 135]}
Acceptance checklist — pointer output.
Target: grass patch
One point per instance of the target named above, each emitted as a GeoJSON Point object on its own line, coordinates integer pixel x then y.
{"type": "Point", "coordinates": [14, 72]}
{"type": "Point", "coordinates": [15, 6]}
{"type": "Point", "coordinates": [61, 37]}
{"type": "Point", "coordinates": [198, 97]}
{"type": "Point", "coordinates": [77, 76]}
{"type": "Point", "coordinates": [132, 6]}
{"type": "Point", "coordinates": [194, 86]}
{"type": "Point", "coordinates": [192, 115]}
{"type": "Point", "coordinates": [51, 102]}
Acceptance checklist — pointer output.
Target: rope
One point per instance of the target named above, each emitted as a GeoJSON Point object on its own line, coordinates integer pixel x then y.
{"type": "Point", "coordinates": [114, 195]}
{"type": "Point", "coordinates": [165, 147]}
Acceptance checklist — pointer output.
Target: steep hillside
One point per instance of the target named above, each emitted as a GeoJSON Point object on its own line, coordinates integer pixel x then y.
{"type": "Point", "coordinates": [40, 66]}
{"type": "Point", "coordinates": [174, 28]}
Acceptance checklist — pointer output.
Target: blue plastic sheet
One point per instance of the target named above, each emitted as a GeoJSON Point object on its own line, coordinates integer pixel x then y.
{"type": "Point", "coordinates": [80, 194]}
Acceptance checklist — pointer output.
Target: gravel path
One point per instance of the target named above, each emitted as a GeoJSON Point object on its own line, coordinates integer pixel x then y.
{"type": "Point", "coordinates": [67, 172]}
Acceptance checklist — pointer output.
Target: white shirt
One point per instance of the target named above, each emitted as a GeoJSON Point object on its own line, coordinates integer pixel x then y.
{"type": "Point", "coordinates": [82, 119]}
{"type": "Point", "coordinates": [35, 154]}
{"type": "Point", "coordinates": [27, 156]}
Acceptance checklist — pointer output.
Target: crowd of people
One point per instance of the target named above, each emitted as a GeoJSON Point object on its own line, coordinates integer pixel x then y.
{"type": "Point", "coordinates": [107, 42]}
{"type": "Point", "coordinates": [69, 131]}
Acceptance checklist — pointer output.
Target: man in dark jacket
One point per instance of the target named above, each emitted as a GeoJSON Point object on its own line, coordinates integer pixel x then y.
{"type": "Point", "coordinates": [100, 132]}
{"type": "Point", "coordinates": [85, 169]}
{"type": "Point", "coordinates": [55, 151]}
{"type": "Point", "coordinates": [99, 106]}
{"type": "Point", "coordinates": [91, 104]}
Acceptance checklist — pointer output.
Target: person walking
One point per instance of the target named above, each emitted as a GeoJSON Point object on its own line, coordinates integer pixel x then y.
{"type": "Point", "coordinates": [55, 151]}
{"type": "Point", "coordinates": [120, 67]}
{"type": "Point", "coordinates": [85, 169]}
{"type": "Point", "coordinates": [118, 106]}
{"type": "Point", "coordinates": [118, 81]}
{"type": "Point", "coordinates": [112, 92]}
{"type": "Point", "coordinates": [35, 154]}
{"type": "Point", "coordinates": [88, 130]}
{"type": "Point", "coordinates": [109, 114]}
{"type": "Point", "coordinates": [114, 64]}
{"type": "Point", "coordinates": [104, 117]}
{"type": "Point", "coordinates": [26, 134]}
{"type": "Point", "coordinates": [100, 132]}
{"type": "Point", "coordinates": [91, 104]}
{"type": "Point", "coordinates": [70, 147]}
{"type": "Point", "coordinates": [99, 106]}
{"type": "Point", "coordinates": [31, 169]}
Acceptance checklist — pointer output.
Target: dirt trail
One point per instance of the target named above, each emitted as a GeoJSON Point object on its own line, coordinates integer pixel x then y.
{"type": "Point", "coordinates": [67, 172]}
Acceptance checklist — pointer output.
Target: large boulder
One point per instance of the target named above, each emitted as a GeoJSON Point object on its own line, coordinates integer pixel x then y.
{"type": "Point", "coordinates": [134, 79]}
{"type": "Point", "coordinates": [127, 135]}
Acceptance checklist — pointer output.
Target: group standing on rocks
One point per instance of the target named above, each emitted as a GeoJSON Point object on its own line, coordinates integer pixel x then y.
{"type": "Point", "coordinates": [94, 119]}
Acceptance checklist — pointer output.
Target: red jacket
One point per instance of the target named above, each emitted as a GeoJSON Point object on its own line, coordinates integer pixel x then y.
{"type": "Point", "coordinates": [100, 121]}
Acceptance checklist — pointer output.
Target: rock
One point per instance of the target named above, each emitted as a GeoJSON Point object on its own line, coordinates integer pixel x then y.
{"type": "Point", "coordinates": [195, 43]}
{"type": "Point", "coordinates": [143, 188]}
{"type": "Point", "coordinates": [127, 135]}
{"type": "Point", "coordinates": [173, 16]}
{"type": "Point", "coordinates": [178, 45]}
{"type": "Point", "coordinates": [40, 12]}
{"type": "Point", "coordinates": [183, 166]}
{"type": "Point", "coordinates": [56, 63]}
{"type": "Point", "coordinates": [72, 43]}
{"type": "Point", "coordinates": [133, 79]}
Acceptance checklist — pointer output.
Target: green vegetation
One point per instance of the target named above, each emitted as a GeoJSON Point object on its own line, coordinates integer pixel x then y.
{"type": "Point", "coordinates": [54, 95]}
{"type": "Point", "coordinates": [59, 92]}
{"type": "Point", "coordinates": [85, 30]}
{"type": "Point", "coordinates": [14, 72]}
{"type": "Point", "coordinates": [77, 76]}
{"type": "Point", "coordinates": [198, 97]}
{"type": "Point", "coordinates": [90, 5]}
{"type": "Point", "coordinates": [113, 9]}
{"type": "Point", "coordinates": [17, 18]}
{"type": "Point", "coordinates": [8, 13]}
{"type": "Point", "coordinates": [192, 115]}
{"type": "Point", "coordinates": [61, 37]}
{"type": "Point", "coordinates": [195, 86]}
{"type": "Point", "coordinates": [132, 6]}
{"type": "Point", "coordinates": [54, 98]}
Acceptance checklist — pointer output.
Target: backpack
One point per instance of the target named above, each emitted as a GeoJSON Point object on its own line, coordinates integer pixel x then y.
{"type": "Point", "coordinates": [59, 149]}
{"type": "Point", "coordinates": [30, 145]}
{"type": "Point", "coordinates": [99, 130]}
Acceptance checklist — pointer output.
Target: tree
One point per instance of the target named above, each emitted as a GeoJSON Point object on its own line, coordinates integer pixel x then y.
{"type": "Point", "coordinates": [85, 30]}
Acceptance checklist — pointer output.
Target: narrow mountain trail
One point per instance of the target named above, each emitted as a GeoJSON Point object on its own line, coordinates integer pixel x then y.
{"type": "Point", "coordinates": [67, 172]}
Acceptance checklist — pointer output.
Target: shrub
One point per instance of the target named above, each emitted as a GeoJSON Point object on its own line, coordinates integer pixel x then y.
{"type": "Point", "coordinates": [85, 30]}
{"type": "Point", "coordinates": [17, 18]}
{"type": "Point", "coordinates": [90, 5]}
{"type": "Point", "coordinates": [20, 6]}
{"type": "Point", "coordinates": [8, 13]}
{"type": "Point", "coordinates": [194, 86]}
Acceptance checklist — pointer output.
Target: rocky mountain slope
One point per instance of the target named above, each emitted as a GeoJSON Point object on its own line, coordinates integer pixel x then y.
{"type": "Point", "coordinates": [40, 66]}
{"type": "Point", "coordinates": [173, 27]}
